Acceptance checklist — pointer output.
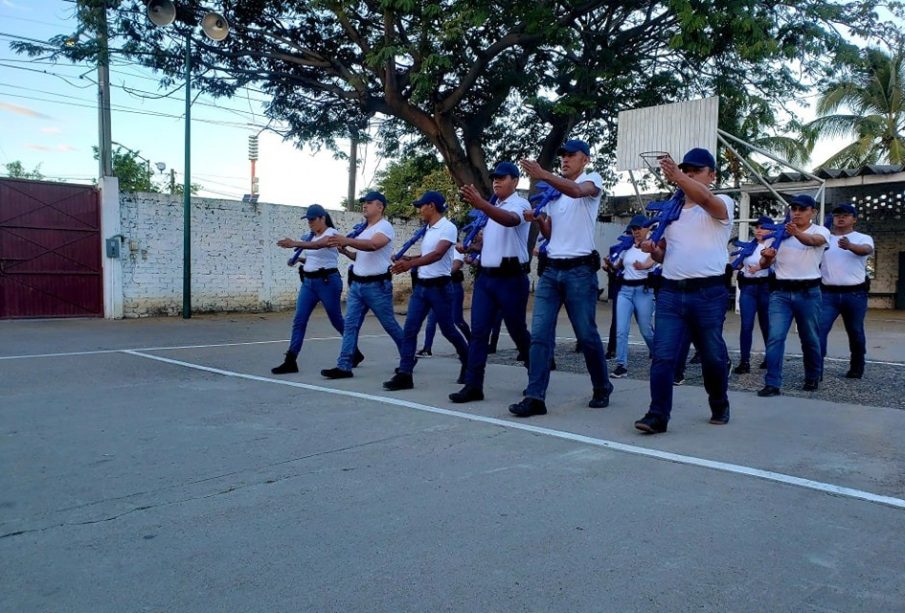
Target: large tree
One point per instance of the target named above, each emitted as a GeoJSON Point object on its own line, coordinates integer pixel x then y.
{"type": "Point", "coordinates": [478, 81]}
{"type": "Point", "coordinates": [872, 96]}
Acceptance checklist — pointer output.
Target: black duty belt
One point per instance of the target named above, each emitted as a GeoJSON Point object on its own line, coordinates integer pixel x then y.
{"type": "Point", "coordinates": [370, 279]}
{"type": "Point", "coordinates": [509, 267]}
{"type": "Point", "coordinates": [457, 276]}
{"type": "Point", "coordinates": [742, 280]}
{"type": "Point", "coordinates": [843, 289]}
{"type": "Point", "coordinates": [633, 282]}
{"type": "Point", "coordinates": [794, 285]}
{"type": "Point", "coordinates": [566, 263]}
{"type": "Point", "coordinates": [690, 285]}
{"type": "Point", "coordinates": [320, 273]}
{"type": "Point", "coordinates": [433, 282]}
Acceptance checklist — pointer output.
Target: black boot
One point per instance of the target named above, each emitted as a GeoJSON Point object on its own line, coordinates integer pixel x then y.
{"type": "Point", "coordinates": [357, 358]}
{"type": "Point", "coordinates": [462, 369]}
{"type": "Point", "coordinates": [400, 381]}
{"type": "Point", "coordinates": [743, 368]}
{"type": "Point", "coordinates": [467, 394]}
{"type": "Point", "coordinates": [289, 365]}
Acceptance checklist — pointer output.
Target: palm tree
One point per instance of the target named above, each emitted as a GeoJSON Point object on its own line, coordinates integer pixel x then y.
{"type": "Point", "coordinates": [875, 96]}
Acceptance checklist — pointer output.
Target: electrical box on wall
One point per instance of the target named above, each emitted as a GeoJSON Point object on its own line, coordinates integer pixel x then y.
{"type": "Point", "coordinates": [113, 247]}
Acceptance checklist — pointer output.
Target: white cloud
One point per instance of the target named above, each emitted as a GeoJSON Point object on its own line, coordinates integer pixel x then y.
{"type": "Point", "coordinates": [52, 130]}
{"type": "Point", "coordinates": [21, 110]}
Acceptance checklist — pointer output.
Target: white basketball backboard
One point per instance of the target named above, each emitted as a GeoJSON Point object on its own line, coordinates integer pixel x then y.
{"type": "Point", "coordinates": [674, 128]}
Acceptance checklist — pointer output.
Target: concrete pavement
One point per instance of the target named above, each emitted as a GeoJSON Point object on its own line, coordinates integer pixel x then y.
{"type": "Point", "coordinates": [205, 483]}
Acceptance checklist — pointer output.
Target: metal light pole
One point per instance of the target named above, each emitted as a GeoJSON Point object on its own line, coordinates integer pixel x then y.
{"type": "Point", "coordinates": [215, 27]}
{"type": "Point", "coordinates": [187, 191]}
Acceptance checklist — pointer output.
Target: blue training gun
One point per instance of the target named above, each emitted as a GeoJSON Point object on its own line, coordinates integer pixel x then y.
{"type": "Point", "coordinates": [663, 213]}
{"type": "Point", "coordinates": [544, 195]}
{"type": "Point", "coordinates": [408, 244]}
{"type": "Point", "coordinates": [472, 228]}
{"type": "Point", "coordinates": [298, 250]}
{"type": "Point", "coordinates": [778, 231]}
{"type": "Point", "coordinates": [745, 250]}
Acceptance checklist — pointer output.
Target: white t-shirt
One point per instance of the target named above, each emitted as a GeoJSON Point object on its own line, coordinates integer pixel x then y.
{"type": "Point", "coordinates": [629, 257]}
{"type": "Point", "coordinates": [443, 230]}
{"type": "Point", "coordinates": [795, 261]}
{"type": "Point", "coordinates": [506, 242]}
{"type": "Point", "coordinates": [574, 221]}
{"type": "Point", "coordinates": [696, 243]}
{"type": "Point", "coordinates": [315, 259]}
{"type": "Point", "coordinates": [372, 263]}
{"type": "Point", "coordinates": [841, 266]}
{"type": "Point", "coordinates": [754, 260]}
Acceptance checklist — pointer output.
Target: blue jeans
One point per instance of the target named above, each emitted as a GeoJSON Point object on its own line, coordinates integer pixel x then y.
{"type": "Point", "coordinates": [458, 318]}
{"type": "Point", "coordinates": [496, 297]}
{"type": "Point", "coordinates": [637, 300]}
{"type": "Point", "coordinates": [754, 300]}
{"type": "Point", "coordinates": [697, 315]}
{"type": "Point", "coordinates": [327, 291]}
{"type": "Point", "coordinates": [804, 306]}
{"type": "Point", "coordinates": [576, 288]}
{"type": "Point", "coordinates": [378, 297]}
{"type": "Point", "coordinates": [853, 307]}
{"type": "Point", "coordinates": [426, 298]}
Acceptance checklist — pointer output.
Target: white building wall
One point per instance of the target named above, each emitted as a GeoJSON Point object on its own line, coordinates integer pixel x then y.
{"type": "Point", "coordinates": [236, 265]}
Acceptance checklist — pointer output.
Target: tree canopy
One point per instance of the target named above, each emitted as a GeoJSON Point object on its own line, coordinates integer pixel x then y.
{"type": "Point", "coordinates": [477, 82]}
{"type": "Point", "coordinates": [873, 93]}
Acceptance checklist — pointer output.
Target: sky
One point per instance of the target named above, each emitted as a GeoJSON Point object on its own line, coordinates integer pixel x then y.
{"type": "Point", "coordinates": [49, 119]}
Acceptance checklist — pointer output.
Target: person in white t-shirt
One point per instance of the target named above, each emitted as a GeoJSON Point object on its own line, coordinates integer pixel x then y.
{"type": "Point", "coordinates": [844, 285]}
{"type": "Point", "coordinates": [754, 296]}
{"type": "Point", "coordinates": [795, 294]}
{"type": "Point", "coordinates": [691, 302]}
{"type": "Point", "coordinates": [501, 285]}
{"type": "Point", "coordinates": [431, 289]}
{"type": "Point", "coordinates": [569, 277]}
{"type": "Point", "coordinates": [636, 296]}
{"type": "Point", "coordinates": [370, 282]}
{"type": "Point", "coordinates": [321, 283]}
{"type": "Point", "coordinates": [430, 328]}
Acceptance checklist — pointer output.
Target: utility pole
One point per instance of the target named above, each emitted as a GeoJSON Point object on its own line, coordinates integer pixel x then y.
{"type": "Point", "coordinates": [105, 154]}
{"type": "Point", "coordinates": [353, 170]}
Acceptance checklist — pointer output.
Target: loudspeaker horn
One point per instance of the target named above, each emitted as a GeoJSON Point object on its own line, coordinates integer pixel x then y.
{"type": "Point", "coordinates": [215, 26]}
{"type": "Point", "coordinates": [161, 12]}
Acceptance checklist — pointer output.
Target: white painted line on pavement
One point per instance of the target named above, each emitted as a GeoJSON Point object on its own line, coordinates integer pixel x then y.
{"type": "Point", "coordinates": [768, 475]}
{"type": "Point", "coordinates": [102, 351]}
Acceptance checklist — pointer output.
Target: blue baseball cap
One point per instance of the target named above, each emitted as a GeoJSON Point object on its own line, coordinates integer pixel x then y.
{"type": "Point", "coordinates": [435, 198]}
{"type": "Point", "coordinates": [373, 196]}
{"type": "Point", "coordinates": [763, 220]}
{"type": "Point", "coordinates": [573, 146]}
{"type": "Point", "coordinates": [314, 211]}
{"type": "Point", "coordinates": [845, 209]}
{"type": "Point", "coordinates": [505, 169]}
{"type": "Point", "coordinates": [804, 200]}
{"type": "Point", "coordinates": [698, 158]}
{"type": "Point", "coordinates": [638, 221]}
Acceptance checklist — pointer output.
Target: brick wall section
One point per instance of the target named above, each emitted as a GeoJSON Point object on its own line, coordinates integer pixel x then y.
{"type": "Point", "coordinates": [236, 265]}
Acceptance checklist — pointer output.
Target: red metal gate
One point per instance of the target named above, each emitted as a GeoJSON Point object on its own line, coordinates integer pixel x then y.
{"type": "Point", "coordinates": [50, 250]}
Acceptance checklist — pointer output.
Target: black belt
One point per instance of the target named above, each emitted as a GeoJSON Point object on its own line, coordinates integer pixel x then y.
{"type": "Point", "coordinates": [371, 279]}
{"type": "Point", "coordinates": [743, 280]}
{"type": "Point", "coordinates": [689, 285]}
{"type": "Point", "coordinates": [843, 289]}
{"type": "Point", "coordinates": [509, 267]}
{"type": "Point", "coordinates": [794, 285]}
{"type": "Point", "coordinates": [633, 282]}
{"type": "Point", "coordinates": [319, 273]}
{"type": "Point", "coordinates": [434, 282]}
{"type": "Point", "coordinates": [566, 263]}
